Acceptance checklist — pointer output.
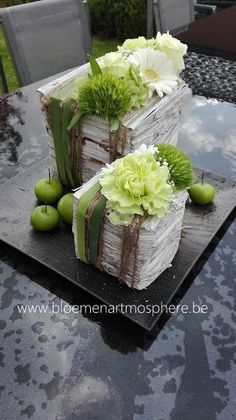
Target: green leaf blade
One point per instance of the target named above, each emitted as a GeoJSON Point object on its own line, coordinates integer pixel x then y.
{"type": "Point", "coordinates": [96, 69]}
{"type": "Point", "coordinates": [75, 120]}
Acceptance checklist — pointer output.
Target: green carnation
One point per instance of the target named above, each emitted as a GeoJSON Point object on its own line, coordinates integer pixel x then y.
{"type": "Point", "coordinates": [117, 64]}
{"type": "Point", "coordinates": [106, 96]}
{"type": "Point", "coordinates": [136, 184]}
{"type": "Point", "coordinates": [180, 166]}
{"type": "Point", "coordinates": [138, 89]}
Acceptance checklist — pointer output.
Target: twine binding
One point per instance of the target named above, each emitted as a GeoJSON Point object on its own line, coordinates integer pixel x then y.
{"type": "Point", "coordinates": [130, 248]}
{"type": "Point", "coordinates": [114, 139]}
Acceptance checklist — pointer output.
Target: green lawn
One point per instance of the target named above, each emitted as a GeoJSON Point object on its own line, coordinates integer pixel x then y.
{"type": "Point", "coordinates": [8, 69]}
{"type": "Point", "coordinates": [100, 47]}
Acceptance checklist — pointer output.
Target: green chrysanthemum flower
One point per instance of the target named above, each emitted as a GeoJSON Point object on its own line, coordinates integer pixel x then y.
{"type": "Point", "coordinates": [106, 96]}
{"type": "Point", "coordinates": [135, 184]}
{"type": "Point", "coordinates": [139, 90]}
{"type": "Point", "coordinates": [180, 166]}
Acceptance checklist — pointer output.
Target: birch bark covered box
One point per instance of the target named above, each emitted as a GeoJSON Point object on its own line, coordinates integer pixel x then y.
{"type": "Point", "coordinates": [127, 220]}
{"type": "Point", "coordinates": [78, 154]}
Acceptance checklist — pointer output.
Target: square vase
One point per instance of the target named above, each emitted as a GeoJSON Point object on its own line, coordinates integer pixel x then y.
{"type": "Point", "coordinates": [136, 254]}
{"type": "Point", "coordinates": [77, 156]}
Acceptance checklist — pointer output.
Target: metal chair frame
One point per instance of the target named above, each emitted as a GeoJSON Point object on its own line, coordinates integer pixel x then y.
{"type": "Point", "coordinates": [19, 66]}
{"type": "Point", "coordinates": [156, 22]}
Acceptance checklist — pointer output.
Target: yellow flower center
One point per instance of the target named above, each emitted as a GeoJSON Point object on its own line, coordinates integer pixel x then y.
{"type": "Point", "coordinates": [151, 74]}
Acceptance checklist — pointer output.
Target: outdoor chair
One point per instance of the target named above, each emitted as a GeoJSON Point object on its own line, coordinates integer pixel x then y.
{"type": "Point", "coordinates": [46, 37]}
{"type": "Point", "coordinates": [172, 15]}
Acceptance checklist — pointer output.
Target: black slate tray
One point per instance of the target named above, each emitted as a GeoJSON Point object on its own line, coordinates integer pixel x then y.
{"type": "Point", "coordinates": [55, 250]}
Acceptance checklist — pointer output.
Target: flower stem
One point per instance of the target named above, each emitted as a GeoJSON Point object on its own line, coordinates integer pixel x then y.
{"type": "Point", "coordinates": [202, 179]}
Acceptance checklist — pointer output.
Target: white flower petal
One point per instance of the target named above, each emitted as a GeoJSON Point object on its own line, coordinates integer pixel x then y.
{"type": "Point", "coordinates": [173, 48]}
{"type": "Point", "coordinates": [155, 69]}
{"type": "Point", "coordinates": [144, 148]}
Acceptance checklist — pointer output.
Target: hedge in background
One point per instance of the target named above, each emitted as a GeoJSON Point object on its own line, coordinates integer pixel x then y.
{"type": "Point", "coordinates": [118, 18]}
{"type": "Point", "coordinates": [8, 3]}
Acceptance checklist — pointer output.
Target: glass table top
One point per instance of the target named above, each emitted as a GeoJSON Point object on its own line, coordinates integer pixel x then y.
{"type": "Point", "coordinates": [73, 366]}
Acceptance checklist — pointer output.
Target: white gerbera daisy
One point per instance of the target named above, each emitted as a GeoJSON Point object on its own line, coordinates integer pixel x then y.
{"type": "Point", "coordinates": [156, 70]}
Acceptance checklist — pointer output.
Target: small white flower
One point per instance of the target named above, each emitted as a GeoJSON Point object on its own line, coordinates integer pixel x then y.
{"type": "Point", "coordinates": [149, 149]}
{"type": "Point", "coordinates": [106, 170]}
{"type": "Point", "coordinates": [155, 69]}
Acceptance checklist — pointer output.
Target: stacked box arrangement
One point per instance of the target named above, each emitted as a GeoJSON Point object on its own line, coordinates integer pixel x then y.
{"type": "Point", "coordinates": [127, 220]}
{"type": "Point", "coordinates": [152, 116]}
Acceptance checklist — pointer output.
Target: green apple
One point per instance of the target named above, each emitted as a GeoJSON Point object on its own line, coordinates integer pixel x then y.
{"type": "Point", "coordinates": [202, 193]}
{"type": "Point", "coordinates": [65, 207]}
{"type": "Point", "coordinates": [44, 218]}
{"type": "Point", "coordinates": [48, 189]}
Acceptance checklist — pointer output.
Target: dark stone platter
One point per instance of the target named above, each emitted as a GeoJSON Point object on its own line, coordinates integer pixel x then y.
{"type": "Point", "coordinates": [55, 250]}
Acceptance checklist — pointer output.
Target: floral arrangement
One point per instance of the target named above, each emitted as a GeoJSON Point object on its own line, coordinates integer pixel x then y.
{"type": "Point", "coordinates": [144, 182]}
{"type": "Point", "coordinates": [127, 219]}
{"type": "Point", "coordinates": [127, 78]}
{"type": "Point", "coordinates": [108, 107]}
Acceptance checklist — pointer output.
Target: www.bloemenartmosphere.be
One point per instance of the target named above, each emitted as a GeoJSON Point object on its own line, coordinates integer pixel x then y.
{"type": "Point", "coordinates": [63, 308]}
